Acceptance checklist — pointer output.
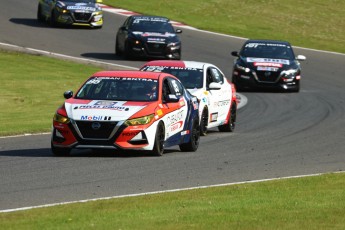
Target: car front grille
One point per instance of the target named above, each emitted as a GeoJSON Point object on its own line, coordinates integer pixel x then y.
{"type": "Point", "coordinates": [96, 129]}
{"type": "Point", "coordinates": [268, 77]}
{"type": "Point", "coordinates": [156, 48]}
{"type": "Point", "coordinates": [82, 17]}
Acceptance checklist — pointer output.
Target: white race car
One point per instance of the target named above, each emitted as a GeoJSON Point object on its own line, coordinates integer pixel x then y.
{"type": "Point", "coordinates": [217, 96]}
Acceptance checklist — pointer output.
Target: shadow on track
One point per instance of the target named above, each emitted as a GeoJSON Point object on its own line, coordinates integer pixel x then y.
{"type": "Point", "coordinates": [33, 22]}
{"type": "Point", "coordinates": [29, 22]}
{"type": "Point", "coordinates": [112, 56]}
{"type": "Point", "coordinates": [46, 152]}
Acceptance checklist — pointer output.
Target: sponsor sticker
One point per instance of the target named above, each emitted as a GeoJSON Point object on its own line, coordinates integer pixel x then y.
{"type": "Point", "coordinates": [266, 68]}
{"type": "Point", "coordinates": [159, 112]}
{"type": "Point", "coordinates": [94, 118]}
{"type": "Point", "coordinates": [268, 64]}
{"type": "Point", "coordinates": [214, 117]}
{"type": "Point", "coordinates": [221, 103]}
{"type": "Point", "coordinates": [83, 8]}
{"type": "Point", "coordinates": [175, 126]}
{"type": "Point", "coordinates": [129, 134]}
{"type": "Point", "coordinates": [268, 60]}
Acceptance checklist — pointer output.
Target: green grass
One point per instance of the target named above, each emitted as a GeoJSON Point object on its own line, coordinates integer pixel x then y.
{"type": "Point", "coordinates": [317, 24]}
{"type": "Point", "coordinates": [32, 90]}
{"type": "Point", "coordinates": [306, 203]}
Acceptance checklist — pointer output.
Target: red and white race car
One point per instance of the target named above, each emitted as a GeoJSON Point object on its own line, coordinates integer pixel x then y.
{"type": "Point", "coordinates": [127, 110]}
{"type": "Point", "coordinates": [217, 97]}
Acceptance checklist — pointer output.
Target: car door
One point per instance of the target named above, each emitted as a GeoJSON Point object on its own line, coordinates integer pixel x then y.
{"type": "Point", "coordinates": [122, 34]}
{"type": "Point", "coordinates": [220, 98]}
{"type": "Point", "coordinates": [176, 112]}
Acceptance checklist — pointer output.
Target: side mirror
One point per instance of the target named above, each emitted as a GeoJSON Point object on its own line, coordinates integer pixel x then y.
{"type": "Point", "coordinates": [301, 58]}
{"type": "Point", "coordinates": [215, 86]}
{"type": "Point", "coordinates": [234, 53]}
{"type": "Point", "coordinates": [68, 94]}
{"type": "Point", "coordinates": [178, 31]}
{"type": "Point", "coordinates": [172, 98]}
{"type": "Point", "coordinates": [122, 28]}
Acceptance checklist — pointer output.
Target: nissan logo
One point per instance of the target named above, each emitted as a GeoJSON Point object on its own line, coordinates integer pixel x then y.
{"type": "Point", "coordinates": [267, 74]}
{"type": "Point", "coordinates": [96, 125]}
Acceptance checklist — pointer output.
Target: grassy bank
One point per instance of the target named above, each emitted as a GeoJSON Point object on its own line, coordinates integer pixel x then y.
{"type": "Point", "coordinates": [314, 24]}
{"type": "Point", "coordinates": [32, 89]}
{"type": "Point", "coordinates": [306, 203]}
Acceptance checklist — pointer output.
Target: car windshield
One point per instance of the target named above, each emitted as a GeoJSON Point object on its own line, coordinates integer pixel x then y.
{"type": "Point", "coordinates": [152, 25]}
{"type": "Point", "coordinates": [191, 78]}
{"type": "Point", "coordinates": [267, 50]}
{"type": "Point", "coordinates": [81, 1]}
{"type": "Point", "coordinates": [119, 89]}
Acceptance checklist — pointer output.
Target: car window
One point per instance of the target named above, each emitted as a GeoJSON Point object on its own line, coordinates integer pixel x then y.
{"type": "Point", "coordinates": [191, 78]}
{"type": "Point", "coordinates": [267, 50]}
{"type": "Point", "coordinates": [122, 89]}
{"type": "Point", "coordinates": [127, 22]}
{"type": "Point", "coordinates": [176, 86]}
{"type": "Point", "coordinates": [216, 75]}
{"type": "Point", "coordinates": [150, 25]}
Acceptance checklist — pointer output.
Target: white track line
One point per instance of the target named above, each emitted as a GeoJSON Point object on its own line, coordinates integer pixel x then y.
{"type": "Point", "coordinates": [157, 192]}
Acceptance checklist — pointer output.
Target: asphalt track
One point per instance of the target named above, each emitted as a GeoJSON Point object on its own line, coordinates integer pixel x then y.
{"type": "Point", "coordinates": [277, 134]}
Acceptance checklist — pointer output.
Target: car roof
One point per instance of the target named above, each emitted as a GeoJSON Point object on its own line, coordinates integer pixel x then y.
{"type": "Point", "coordinates": [129, 73]}
{"type": "Point", "coordinates": [176, 63]}
{"type": "Point", "coordinates": [267, 41]}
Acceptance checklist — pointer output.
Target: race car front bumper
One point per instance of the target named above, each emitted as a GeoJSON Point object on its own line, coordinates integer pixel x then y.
{"type": "Point", "coordinates": [81, 19]}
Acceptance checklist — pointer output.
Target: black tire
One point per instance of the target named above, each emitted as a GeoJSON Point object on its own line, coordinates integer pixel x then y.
{"type": "Point", "coordinates": [158, 148]}
{"type": "Point", "coordinates": [296, 90]}
{"type": "Point", "coordinates": [60, 152]}
{"type": "Point", "coordinates": [52, 21]}
{"type": "Point", "coordinates": [238, 86]}
{"type": "Point", "coordinates": [126, 53]}
{"type": "Point", "coordinates": [204, 122]}
{"type": "Point", "coordinates": [193, 143]}
{"type": "Point", "coordinates": [39, 13]}
{"type": "Point", "coordinates": [230, 127]}
{"type": "Point", "coordinates": [117, 49]}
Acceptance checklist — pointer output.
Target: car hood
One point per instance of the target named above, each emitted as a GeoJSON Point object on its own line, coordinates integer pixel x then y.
{"type": "Point", "coordinates": [100, 110]}
{"type": "Point", "coordinates": [261, 63]}
{"type": "Point", "coordinates": [79, 7]}
{"type": "Point", "coordinates": [155, 37]}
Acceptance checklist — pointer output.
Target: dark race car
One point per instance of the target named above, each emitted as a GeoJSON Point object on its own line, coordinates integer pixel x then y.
{"type": "Point", "coordinates": [149, 37]}
{"type": "Point", "coordinates": [71, 12]}
{"type": "Point", "coordinates": [267, 64]}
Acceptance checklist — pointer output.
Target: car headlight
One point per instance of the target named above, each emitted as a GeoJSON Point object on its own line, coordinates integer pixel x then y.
{"type": "Point", "coordinates": [245, 69]}
{"type": "Point", "coordinates": [173, 46]}
{"type": "Point", "coordinates": [289, 73]}
{"type": "Point", "coordinates": [97, 16]}
{"type": "Point", "coordinates": [62, 10]}
{"type": "Point", "coordinates": [61, 119]}
{"type": "Point", "coordinates": [140, 121]}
